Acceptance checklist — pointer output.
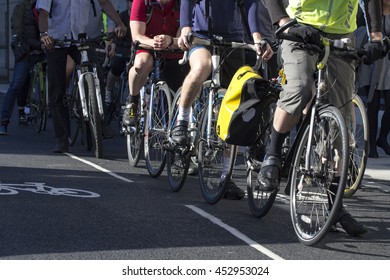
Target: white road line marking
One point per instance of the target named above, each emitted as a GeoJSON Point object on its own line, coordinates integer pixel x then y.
{"type": "Point", "coordinates": [235, 232]}
{"type": "Point", "coordinates": [100, 168]}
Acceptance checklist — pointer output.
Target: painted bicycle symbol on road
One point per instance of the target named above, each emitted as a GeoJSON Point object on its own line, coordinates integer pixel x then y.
{"type": "Point", "coordinates": [41, 188]}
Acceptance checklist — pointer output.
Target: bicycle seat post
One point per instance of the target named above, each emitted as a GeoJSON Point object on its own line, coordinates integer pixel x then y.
{"type": "Point", "coordinates": [215, 59]}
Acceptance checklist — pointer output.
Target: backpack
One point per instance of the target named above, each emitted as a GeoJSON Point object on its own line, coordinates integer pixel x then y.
{"type": "Point", "coordinates": [240, 112]}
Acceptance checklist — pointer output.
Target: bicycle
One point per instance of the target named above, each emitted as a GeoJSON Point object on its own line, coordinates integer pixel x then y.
{"type": "Point", "coordinates": [358, 143]}
{"type": "Point", "coordinates": [37, 101]}
{"type": "Point", "coordinates": [205, 148]}
{"type": "Point", "coordinates": [120, 92]}
{"type": "Point", "coordinates": [154, 118]}
{"type": "Point", "coordinates": [320, 150]}
{"type": "Point", "coordinates": [84, 98]}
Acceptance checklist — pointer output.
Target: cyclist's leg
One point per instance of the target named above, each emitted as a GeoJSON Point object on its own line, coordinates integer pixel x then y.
{"type": "Point", "coordinates": [299, 68]}
{"type": "Point", "coordinates": [56, 65]}
{"type": "Point", "coordinates": [19, 78]}
{"type": "Point", "coordinates": [385, 124]}
{"type": "Point", "coordinates": [200, 69]}
{"type": "Point", "coordinates": [342, 90]}
{"type": "Point", "coordinates": [138, 75]}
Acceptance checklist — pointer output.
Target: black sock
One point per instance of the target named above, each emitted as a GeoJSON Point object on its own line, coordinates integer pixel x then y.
{"type": "Point", "coordinates": [276, 143]}
{"type": "Point", "coordinates": [133, 99]}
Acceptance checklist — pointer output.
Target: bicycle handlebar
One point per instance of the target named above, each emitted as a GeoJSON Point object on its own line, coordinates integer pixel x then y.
{"type": "Point", "coordinates": [219, 42]}
{"type": "Point", "coordinates": [340, 45]}
{"type": "Point", "coordinates": [84, 40]}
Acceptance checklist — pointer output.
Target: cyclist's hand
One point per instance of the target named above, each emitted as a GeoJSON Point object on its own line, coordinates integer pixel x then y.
{"type": "Point", "coordinates": [374, 52]}
{"type": "Point", "coordinates": [121, 30]}
{"type": "Point", "coordinates": [386, 46]}
{"type": "Point", "coordinates": [47, 41]}
{"type": "Point", "coordinates": [264, 49]}
{"type": "Point", "coordinates": [183, 40]}
{"type": "Point", "coordinates": [308, 33]}
{"type": "Point", "coordinates": [161, 42]}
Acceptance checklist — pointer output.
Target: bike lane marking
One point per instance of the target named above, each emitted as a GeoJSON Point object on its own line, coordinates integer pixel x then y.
{"type": "Point", "coordinates": [100, 168]}
{"type": "Point", "coordinates": [235, 232]}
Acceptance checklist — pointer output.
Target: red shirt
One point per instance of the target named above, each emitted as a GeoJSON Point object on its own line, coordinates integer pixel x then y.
{"type": "Point", "coordinates": [164, 19]}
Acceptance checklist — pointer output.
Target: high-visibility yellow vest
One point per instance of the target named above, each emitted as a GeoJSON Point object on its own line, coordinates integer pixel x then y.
{"type": "Point", "coordinates": [330, 16]}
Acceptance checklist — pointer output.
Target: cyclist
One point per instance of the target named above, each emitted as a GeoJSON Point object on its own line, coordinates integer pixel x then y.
{"type": "Point", "coordinates": [193, 19]}
{"type": "Point", "coordinates": [333, 19]}
{"type": "Point", "coordinates": [373, 81]}
{"type": "Point", "coordinates": [27, 50]}
{"type": "Point", "coordinates": [59, 17]}
{"type": "Point", "coordinates": [154, 23]}
{"type": "Point", "coordinates": [121, 46]}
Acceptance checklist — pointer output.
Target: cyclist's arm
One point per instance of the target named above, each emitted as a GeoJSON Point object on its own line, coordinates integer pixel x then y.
{"type": "Point", "coordinates": [373, 13]}
{"type": "Point", "coordinates": [277, 11]}
{"type": "Point", "coordinates": [109, 9]}
{"type": "Point", "coordinates": [186, 9]}
{"type": "Point", "coordinates": [138, 29]}
{"type": "Point", "coordinates": [43, 24]}
{"type": "Point", "coordinates": [17, 19]}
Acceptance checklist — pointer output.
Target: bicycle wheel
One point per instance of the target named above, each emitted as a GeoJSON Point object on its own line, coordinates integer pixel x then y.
{"type": "Point", "coordinates": [71, 101]}
{"type": "Point", "coordinates": [358, 147]}
{"type": "Point", "coordinates": [178, 159]}
{"type": "Point", "coordinates": [213, 155]}
{"type": "Point", "coordinates": [95, 122]}
{"type": "Point", "coordinates": [156, 128]}
{"type": "Point", "coordinates": [34, 101]}
{"type": "Point", "coordinates": [314, 200]}
{"type": "Point", "coordinates": [42, 116]}
{"type": "Point", "coordinates": [40, 101]}
{"type": "Point", "coordinates": [260, 202]}
{"type": "Point", "coordinates": [135, 139]}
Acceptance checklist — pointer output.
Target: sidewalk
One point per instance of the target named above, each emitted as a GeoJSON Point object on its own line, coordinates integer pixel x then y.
{"type": "Point", "coordinates": [377, 168]}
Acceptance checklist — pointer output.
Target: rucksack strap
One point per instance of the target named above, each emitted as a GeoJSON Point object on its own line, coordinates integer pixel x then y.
{"type": "Point", "coordinates": [244, 18]}
{"type": "Point", "coordinates": [94, 8]}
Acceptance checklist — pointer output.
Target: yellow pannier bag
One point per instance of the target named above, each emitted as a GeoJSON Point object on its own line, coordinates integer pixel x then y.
{"type": "Point", "coordinates": [240, 111]}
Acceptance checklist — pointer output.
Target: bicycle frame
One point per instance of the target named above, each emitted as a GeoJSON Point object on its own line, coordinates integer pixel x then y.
{"type": "Point", "coordinates": [81, 72]}
{"type": "Point", "coordinates": [151, 84]}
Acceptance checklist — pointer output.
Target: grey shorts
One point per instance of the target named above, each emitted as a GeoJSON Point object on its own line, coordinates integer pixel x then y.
{"type": "Point", "coordinates": [300, 68]}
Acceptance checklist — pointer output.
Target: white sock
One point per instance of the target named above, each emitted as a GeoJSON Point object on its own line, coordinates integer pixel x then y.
{"type": "Point", "coordinates": [184, 114]}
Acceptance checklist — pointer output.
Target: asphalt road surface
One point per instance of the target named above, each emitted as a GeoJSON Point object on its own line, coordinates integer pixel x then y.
{"type": "Point", "coordinates": [75, 206]}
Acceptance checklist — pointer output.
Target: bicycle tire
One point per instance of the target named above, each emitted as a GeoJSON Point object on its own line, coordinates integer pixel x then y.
{"type": "Point", "coordinates": [86, 134]}
{"type": "Point", "coordinates": [156, 129]}
{"type": "Point", "coordinates": [310, 195]}
{"type": "Point", "coordinates": [135, 139]}
{"type": "Point", "coordinates": [178, 160]}
{"type": "Point", "coordinates": [34, 100]}
{"type": "Point", "coordinates": [95, 121]}
{"type": "Point", "coordinates": [260, 202]}
{"type": "Point", "coordinates": [38, 100]}
{"type": "Point", "coordinates": [358, 147]}
{"type": "Point", "coordinates": [42, 115]}
{"type": "Point", "coordinates": [72, 97]}
{"type": "Point", "coordinates": [213, 179]}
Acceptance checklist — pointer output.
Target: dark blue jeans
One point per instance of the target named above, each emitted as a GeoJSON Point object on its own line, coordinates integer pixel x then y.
{"type": "Point", "coordinates": [18, 88]}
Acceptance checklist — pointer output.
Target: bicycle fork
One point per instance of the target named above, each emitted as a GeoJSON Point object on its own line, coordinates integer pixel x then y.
{"type": "Point", "coordinates": [81, 73]}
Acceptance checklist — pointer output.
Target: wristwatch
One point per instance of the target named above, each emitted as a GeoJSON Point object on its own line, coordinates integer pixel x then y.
{"type": "Point", "coordinates": [171, 43]}
{"type": "Point", "coordinates": [43, 34]}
